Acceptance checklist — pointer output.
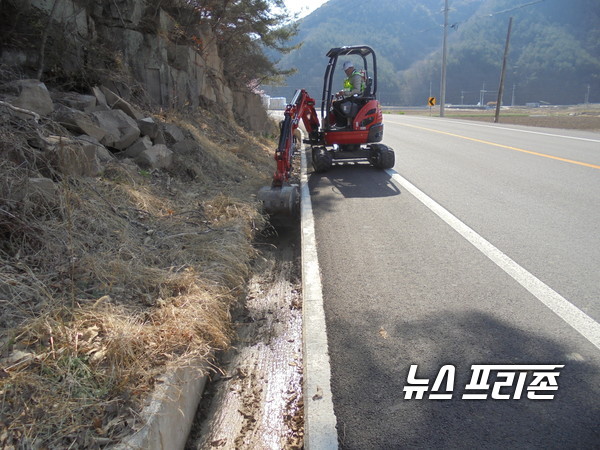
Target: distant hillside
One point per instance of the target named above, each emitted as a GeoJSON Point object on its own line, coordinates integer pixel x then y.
{"type": "Point", "coordinates": [554, 51]}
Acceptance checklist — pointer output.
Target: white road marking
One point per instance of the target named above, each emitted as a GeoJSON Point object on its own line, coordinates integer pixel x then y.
{"type": "Point", "coordinates": [531, 132]}
{"type": "Point", "coordinates": [497, 127]}
{"type": "Point", "coordinates": [584, 324]}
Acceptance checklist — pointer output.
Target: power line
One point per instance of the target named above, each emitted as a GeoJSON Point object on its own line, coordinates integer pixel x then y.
{"type": "Point", "coordinates": [515, 8]}
{"type": "Point", "coordinates": [455, 25]}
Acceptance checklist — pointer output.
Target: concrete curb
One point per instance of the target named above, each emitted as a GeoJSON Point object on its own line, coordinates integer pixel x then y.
{"type": "Point", "coordinates": [319, 418]}
{"type": "Point", "coordinates": [170, 411]}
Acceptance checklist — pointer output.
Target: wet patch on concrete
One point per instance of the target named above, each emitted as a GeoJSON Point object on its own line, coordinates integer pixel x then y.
{"type": "Point", "coordinates": [255, 397]}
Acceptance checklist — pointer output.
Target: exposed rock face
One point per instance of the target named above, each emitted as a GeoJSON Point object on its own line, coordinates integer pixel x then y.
{"type": "Point", "coordinates": [249, 111]}
{"type": "Point", "coordinates": [148, 45]}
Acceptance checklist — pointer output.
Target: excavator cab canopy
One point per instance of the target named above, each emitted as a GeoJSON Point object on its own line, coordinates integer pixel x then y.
{"type": "Point", "coordinates": [369, 66]}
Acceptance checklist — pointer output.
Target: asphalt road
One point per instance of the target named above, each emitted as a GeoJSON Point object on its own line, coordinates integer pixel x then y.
{"type": "Point", "coordinates": [484, 250]}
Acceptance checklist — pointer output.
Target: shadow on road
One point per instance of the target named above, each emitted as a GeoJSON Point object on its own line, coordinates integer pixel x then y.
{"type": "Point", "coordinates": [368, 377]}
{"type": "Point", "coordinates": [353, 181]}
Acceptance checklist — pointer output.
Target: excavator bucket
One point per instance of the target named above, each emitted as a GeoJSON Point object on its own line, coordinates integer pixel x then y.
{"type": "Point", "coordinates": [280, 201]}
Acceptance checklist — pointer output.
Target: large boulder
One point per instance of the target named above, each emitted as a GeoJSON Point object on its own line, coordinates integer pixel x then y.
{"type": "Point", "coordinates": [148, 127]}
{"type": "Point", "coordinates": [103, 154]}
{"type": "Point", "coordinates": [156, 157]}
{"type": "Point", "coordinates": [121, 130]}
{"type": "Point", "coordinates": [81, 102]}
{"type": "Point", "coordinates": [116, 102]}
{"type": "Point", "coordinates": [43, 190]}
{"type": "Point", "coordinates": [75, 157]}
{"type": "Point", "coordinates": [173, 133]}
{"type": "Point", "coordinates": [81, 123]}
{"type": "Point", "coordinates": [16, 192]}
{"type": "Point", "coordinates": [142, 144]}
{"type": "Point", "coordinates": [34, 96]}
{"type": "Point", "coordinates": [101, 103]}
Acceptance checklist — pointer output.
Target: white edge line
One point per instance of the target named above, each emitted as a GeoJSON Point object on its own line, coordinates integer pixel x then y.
{"type": "Point", "coordinates": [584, 324]}
{"type": "Point", "coordinates": [319, 418]}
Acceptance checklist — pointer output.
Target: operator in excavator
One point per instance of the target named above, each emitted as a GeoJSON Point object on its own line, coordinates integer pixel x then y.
{"type": "Point", "coordinates": [354, 84]}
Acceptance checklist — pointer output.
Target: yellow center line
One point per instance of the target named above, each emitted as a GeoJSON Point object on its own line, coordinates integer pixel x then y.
{"type": "Point", "coordinates": [570, 161]}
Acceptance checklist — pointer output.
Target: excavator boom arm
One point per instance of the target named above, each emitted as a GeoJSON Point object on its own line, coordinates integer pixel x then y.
{"type": "Point", "coordinates": [302, 108]}
{"type": "Point", "coordinates": [281, 198]}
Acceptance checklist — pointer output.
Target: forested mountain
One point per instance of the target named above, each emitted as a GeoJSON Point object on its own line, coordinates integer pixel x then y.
{"type": "Point", "coordinates": [554, 49]}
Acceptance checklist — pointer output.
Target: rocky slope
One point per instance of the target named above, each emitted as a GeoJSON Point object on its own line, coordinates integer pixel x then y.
{"type": "Point", "coordinates": [127, 212]}
{"type": "Point", "coordinates": [137, 48]}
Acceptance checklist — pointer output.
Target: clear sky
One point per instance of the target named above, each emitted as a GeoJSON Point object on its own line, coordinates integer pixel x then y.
{"type": "Point", "coordinates": [304, 7]}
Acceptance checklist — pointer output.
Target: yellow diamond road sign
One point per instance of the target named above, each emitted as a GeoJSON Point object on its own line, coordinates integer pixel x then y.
{"type": "Point", "coordinates": [431, 101]}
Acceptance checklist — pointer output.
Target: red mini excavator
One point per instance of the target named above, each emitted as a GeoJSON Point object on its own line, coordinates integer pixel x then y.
{"type": "Point", "coordinates": [350, 129]}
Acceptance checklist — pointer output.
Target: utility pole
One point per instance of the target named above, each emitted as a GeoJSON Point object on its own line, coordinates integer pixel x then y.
{"type": "Point", "coordinates": [444, 57]}
{"type": "Point", "coordinates": [482, 92]}
{"type": "Point", "coordinates": [587, 95]}
{"type": "Point", "coordinates": [512, 101]}
{"type": "Point", "coordinates": [503, 73]}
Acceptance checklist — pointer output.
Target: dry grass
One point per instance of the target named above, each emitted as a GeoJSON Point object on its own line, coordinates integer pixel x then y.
{"type": "Point", "coordinates": [107, 282]}
{"type": "Point", "coordinates": [580, 117]}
